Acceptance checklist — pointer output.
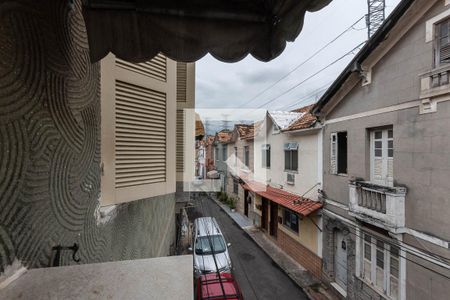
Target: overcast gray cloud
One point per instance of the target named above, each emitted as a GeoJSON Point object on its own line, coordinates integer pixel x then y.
{"type": "Point", "coordinates": [231, 85]}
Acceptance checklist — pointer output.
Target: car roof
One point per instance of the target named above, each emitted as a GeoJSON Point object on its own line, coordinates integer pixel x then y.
{"type": "Point", "coordinates": [207, 226]}
{"type": "Point", "coordinates": [211, 287]}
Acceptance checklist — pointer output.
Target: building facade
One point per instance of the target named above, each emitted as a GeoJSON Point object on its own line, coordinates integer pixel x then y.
{"type": "Point", "coordinates": [241, 166]}
{"type": "Point", "coordinates": [386, 146]}
{"type": "Point", "coordinates": [285, 185]}
{"type": "Point", "coordinates": [221, 141]}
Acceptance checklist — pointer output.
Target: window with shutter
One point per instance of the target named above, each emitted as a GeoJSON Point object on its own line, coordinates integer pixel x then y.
{"type": "Point", "coordinates": [155, 68]}
{"type": "Point", "coordinates": [181, 82]}
{"type": "Point", "coordinates": [180, 140]}
{"type": "Point", "coordinates": [333, 153]}
{"type": "Point", "coordinates": [381, 267]}
{"type": "Point", "coordinates": [265, 155]}
{"type": "Point", "coordinates": [140, 135]}
{"type": "Point", "coordinates": [246, 156]}
{"type": "Point", "coordinates": [443, 42]}
{"type": "Point", "coordinates": [382, 156]}
{"type": "Point", "coordinates": [137, 151]}
{"type": "Point", "coordinates": [291, 157]}
{"type": "Point", "coordinates": [338, 153]}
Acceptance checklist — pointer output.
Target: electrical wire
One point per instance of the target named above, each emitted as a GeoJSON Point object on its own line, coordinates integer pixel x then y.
{"type": "Point", "coordinates": [305, 61]}
{"type": "Point", "coordinates": [311, 76]}
{"type": "Point", "coordinates": [411, 251]}
{"type": "Point", "coordinates": [399, 255]}
{"type": "Point", "coordinates": [308, 97]}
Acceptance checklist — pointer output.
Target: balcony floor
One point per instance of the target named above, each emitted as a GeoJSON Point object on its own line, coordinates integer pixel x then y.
{"type": "Point", "coordinates": [155, 278]}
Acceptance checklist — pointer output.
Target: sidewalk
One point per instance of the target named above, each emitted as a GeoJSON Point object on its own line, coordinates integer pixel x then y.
{"type": "Point", "coordinates": [312, 287]}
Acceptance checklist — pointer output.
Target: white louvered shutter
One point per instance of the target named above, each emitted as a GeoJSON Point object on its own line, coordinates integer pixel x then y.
{"type": "Point", "coordinates": [140, 136]}
{"type": "Point", "coordinates": [138, 155]}
{"type": "Point", "coordinates": [155, 68]}
{"type": "Point", "coordinates": [333, 153]}
{"type": "Point", "coordinates": [181, 82]}
{"type": "Point", "coordinates": [382, 157]}
{"type": "Point", "coordinates": [180, 139]}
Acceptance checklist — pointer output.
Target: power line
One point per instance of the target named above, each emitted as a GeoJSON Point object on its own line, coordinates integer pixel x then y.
{"type": "Point", "coordinates": [305, 61]}
{"type": "Point", "coordinates": [302, 99]}
{"type": "Point", "coordinates": [311, 76]}
{"type": "Point", "coordinates": [399, 255]}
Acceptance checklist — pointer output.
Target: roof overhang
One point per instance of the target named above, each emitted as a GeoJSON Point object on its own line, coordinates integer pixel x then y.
{"type": "Point", "coordinates": [137, 30]}
{"type": "Point", "coordinates": [296, 203]}
{"type": "Point", "coordinates": [384, 35]}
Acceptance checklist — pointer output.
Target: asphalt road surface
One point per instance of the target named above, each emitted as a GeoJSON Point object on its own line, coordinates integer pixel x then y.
{"type": "Point", "coordinates": [257, 275]}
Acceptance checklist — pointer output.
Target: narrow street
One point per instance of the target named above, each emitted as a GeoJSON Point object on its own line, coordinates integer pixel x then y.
{"type": "Point", "coordinates": [258, 276]}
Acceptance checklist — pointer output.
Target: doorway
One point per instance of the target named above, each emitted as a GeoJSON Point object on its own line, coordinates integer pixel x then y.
{"type": "Point", "coordinates": [273, 219]}
{"type": "Point", "coordinates": [246, 202]}
{"type": "Point", "coordinates": [265, 208]}
{"type": "Point", "coordinates": [340, 259]}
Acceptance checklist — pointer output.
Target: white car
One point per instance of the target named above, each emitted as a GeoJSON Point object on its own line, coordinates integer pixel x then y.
{"type": "Point", "coordinates": [209, 243]}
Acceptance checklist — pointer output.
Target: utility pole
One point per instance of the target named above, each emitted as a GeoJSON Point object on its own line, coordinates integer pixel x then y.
{"type": "Point", "coordinates": [375, 16]}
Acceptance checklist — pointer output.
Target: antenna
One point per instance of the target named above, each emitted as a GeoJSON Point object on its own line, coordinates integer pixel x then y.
{"type": "Point", "coordinates": [375, 16]}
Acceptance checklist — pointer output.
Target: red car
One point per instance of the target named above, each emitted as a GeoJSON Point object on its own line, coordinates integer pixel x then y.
{"type": "Point", "coordinates": [209, 287]}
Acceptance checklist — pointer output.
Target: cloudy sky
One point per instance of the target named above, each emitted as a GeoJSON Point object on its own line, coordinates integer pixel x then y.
{"type": "Point", "coordinates": [240, 85]}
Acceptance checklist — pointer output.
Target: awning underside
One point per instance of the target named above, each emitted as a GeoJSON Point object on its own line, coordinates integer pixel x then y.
{"type": "Point", "coordinates": [137, 30]}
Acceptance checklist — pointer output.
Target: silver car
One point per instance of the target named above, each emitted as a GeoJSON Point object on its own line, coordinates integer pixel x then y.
{"type": "Point", "coordinates": [208, 240]}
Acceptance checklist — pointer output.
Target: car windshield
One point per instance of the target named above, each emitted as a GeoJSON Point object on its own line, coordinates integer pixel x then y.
{"type": "Point", "coordinates": [204, 244]}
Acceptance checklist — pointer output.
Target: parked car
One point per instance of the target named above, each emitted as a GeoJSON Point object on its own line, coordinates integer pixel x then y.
{"type": "Point", "coordinates": [209, 287]}
{"type": "Point", "coordinates": [208, 240]}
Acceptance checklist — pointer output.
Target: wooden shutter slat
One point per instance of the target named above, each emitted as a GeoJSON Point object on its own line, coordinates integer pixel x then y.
{"type": "Point", "coordinates": [155, 68]}
{"type": "Point", "coordinates": [140, 136]}
{"type": "Point", "coordinates": [333, 153]}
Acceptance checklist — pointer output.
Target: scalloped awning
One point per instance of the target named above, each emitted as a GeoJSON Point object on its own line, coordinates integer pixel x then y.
{"type": "Point", "coordinates": [137, 30]}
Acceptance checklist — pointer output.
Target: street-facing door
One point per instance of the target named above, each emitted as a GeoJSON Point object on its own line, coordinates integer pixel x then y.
{"type": "Point", "coordinates": [246, 202]}
{"type": "Point", "coordinates": [265, 208]}
{"type": "Point", "coordinates": [273, 219]}
{"type": "Point", "coordinates": [340, 259]}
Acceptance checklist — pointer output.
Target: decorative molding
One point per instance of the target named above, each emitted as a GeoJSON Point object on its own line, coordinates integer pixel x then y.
{"type": "Point", "coordinates": [406, 105]}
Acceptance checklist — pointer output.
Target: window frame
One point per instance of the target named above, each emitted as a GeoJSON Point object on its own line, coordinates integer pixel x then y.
{"type": "Point", "coordinates": [291, 151]}
{"type": "Point", "coordinates": [265, 156]}
{"type": "Point", "coordinates": [377, 245]}
{"type": "Point", "coordinates": [292, 215]}
{"type": "Point", "coordinates": [337, 164]}
{"type": "Point", "coordinates": [235, 186]}
{"type": "Point", "coordinates": [247, 156]}
{"type": "Point", "coordinates": [438, 39]}
{"type": "Point", "coordinates": [386, 152]}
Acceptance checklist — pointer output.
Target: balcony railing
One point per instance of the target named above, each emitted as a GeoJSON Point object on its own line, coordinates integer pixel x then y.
{"type": "Point", "coordinates": [379, 205]}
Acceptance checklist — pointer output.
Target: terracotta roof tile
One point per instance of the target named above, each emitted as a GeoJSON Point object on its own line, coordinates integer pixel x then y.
{"type": "Point", "coordinates": [224, 136]}
{"type": "Point", "coordinates": [305, 121]}
{"type": "Point", "coordinates": [300, 205]}
{"type": "Point", "coordinates": [245, 131]}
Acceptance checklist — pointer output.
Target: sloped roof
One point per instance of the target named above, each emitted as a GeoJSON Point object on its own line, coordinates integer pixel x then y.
{"type": "Point", "coordinates": [199, 128]}
{"type": "Point", "coordinates": [307, 120]}
{"type": "Point", "coordinates": [245, 131]}
{"type": "Point", "coordinates": [371, 45]}
{"type": "Point", "coordinates": [283, 119]}
{"type": "Point", "coordinates": [300, 205]}
{"type": "Point", "coordinates": [224, 136]}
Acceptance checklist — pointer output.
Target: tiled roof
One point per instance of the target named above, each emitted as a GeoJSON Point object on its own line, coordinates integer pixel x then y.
{"type": "Point", "coordinates": [245, 131]}
{"type": "Point", "coordinates": [209, 140]}
{"type": "Point", "coordinates": [283, 119]}
{"type": "Point", "coordinates": [199, 128]}
{"type": "Point", "coordinates": [224, 136]}
{"type": "Point", "coordinates": [300, 205]}
{"type": "Point", "coordinates": [305, 121]}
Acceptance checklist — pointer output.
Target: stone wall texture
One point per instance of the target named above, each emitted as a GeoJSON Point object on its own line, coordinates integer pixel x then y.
{"type": "Point", "coordinates": [50, 147]}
